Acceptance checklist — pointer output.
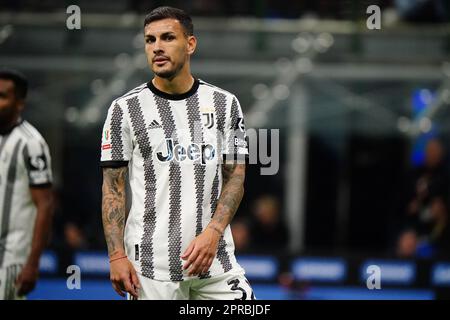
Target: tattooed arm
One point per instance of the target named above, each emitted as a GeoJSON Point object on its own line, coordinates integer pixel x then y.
{"type": "Point", "coordinates": [113, 209]}
{"type": "Point", "coordinates": [122, 274]}
{"type": "Point", "coordinates": [230, 197]}
{"type": "Point", "coordinates": [203, 249]}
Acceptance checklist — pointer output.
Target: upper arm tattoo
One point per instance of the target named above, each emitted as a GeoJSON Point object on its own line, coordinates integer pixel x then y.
{"type": "Point", "coordinates": [113, 207]}
{"type": "Point", "coordinates": [227, 171]}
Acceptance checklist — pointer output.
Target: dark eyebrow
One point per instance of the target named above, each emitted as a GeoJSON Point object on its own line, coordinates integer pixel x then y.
{"type": "Point", "coordinates": [165, 34]}
{"type": "Point", "coordinates": [168, 33]}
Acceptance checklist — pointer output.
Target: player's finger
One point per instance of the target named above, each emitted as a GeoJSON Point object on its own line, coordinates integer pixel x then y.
{"type": "Point", "coordinates": [196, 266]}
{"type": "Point", "coordinates": [193, 270]}
{"type": "Point", "coordinates": [134, 278]}
{"type": "Point", "coordinates": [201, 265]}
{"type": "Point", "coordinates": [20, 289]}
{"type": "Point", "coordinates": [117, 289]}
{"type": "Point", "coordinates": [205, 265]}
{"type": "Point", "coordinates": [210, 261]}
{"type": "Point", "coordinates": [20, 285]}
{"type": "Point", "coordinates": [129, 288]}
{"type": "Point", "coordinates": [25, 288]}
{"type": "Point", "coordinates": [188, 251]}
{"type": "Point", "coordinates": [192, 257]}
{"type": "Point", "coordinates": [18, 281]}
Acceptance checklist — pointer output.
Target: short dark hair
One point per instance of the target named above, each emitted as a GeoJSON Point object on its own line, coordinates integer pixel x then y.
{"type": "Point", "coordinates": [161, 13]}
{"type": "Point", "coordinates": [20, 81]}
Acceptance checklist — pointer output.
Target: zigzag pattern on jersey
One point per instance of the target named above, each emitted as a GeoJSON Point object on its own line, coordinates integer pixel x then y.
{"type": "Point", "coordinates": [143, 142]}
{"type": "Point", "coordinates": [8, 199]}
{"type": "Point", "coordinates": [214, 199]}
{"type": "Point", "coordinates": [220, 107]}
{"type": "Point", "coordinates": [116, 134]}
{"type": "Point", "coordinates": [196, 130]}
{"type": "Point", "coordinates": [168, 124]}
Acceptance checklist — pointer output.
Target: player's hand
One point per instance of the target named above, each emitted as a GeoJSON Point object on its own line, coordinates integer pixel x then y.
{"type": "Point", "coordinates": [201, 252]}
{"type": "Point", "coordinates": [124, 278]}
{"type": "Point", "coordinates": [26, 280]}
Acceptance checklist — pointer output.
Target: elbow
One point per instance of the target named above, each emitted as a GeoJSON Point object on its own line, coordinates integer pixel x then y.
{"type": "Point", "coordinates": [47, 206]}
{"type": "Point", "coordinates": [51, 208]}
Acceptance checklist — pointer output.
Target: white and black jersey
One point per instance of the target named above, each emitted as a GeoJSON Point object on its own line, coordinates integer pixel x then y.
{"type": "Point", "coordinates": [24, 164]}
{"type": "Point", "coordinates": [173, 146]}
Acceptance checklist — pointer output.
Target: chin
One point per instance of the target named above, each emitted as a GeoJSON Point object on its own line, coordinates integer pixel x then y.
{"type": "Point", "coordinates": [165, 74]}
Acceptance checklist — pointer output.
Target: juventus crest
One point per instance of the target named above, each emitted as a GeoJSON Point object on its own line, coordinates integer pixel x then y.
{"type": "Point", "coordinates": [208, 119]}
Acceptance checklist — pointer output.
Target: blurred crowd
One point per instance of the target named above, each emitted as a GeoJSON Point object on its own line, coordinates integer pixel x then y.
{"type": "Point", "coordinates": [424, 229]}
{"type": "Point", "coordinates": [263, 230]}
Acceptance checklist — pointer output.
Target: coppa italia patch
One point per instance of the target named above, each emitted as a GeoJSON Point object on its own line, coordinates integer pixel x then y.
{"type": "Point", "coordinates": [106, 135]}
{"type": "Point", "coordinates": [106, 146]}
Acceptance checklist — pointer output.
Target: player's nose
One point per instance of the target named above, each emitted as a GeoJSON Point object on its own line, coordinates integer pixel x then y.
{"type": "Point", "coordinates": [157, 48]}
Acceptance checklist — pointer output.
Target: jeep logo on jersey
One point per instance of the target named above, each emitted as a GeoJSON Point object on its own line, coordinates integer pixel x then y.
{"type": "Point", "coordinates": [193, 152]}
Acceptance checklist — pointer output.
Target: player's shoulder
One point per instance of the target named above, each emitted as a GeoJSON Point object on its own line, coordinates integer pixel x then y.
{"type": "Point", "coordinates": [31, 136]}
{"type": "Point", "coordinates": [29, 132]}
{"type": "Point", "coordinates": [130, 94]}
{"type": "Point", "coordinates": [208, 86]}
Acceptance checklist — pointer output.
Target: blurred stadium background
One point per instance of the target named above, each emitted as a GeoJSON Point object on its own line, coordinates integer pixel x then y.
{"type": "Point", "coordinates": [355, 109]}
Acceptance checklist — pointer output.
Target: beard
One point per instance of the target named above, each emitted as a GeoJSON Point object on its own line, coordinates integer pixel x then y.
{"type": "Point", "coordinates": [171, 73]}
{"type": "Point", "coordinates": [6, 117]}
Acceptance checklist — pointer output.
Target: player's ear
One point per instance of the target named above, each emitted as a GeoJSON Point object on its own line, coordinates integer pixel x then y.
{"type": "Point", "coordinates": [191, 44]}
{"type": "Point", "coordinates": [20, 105]}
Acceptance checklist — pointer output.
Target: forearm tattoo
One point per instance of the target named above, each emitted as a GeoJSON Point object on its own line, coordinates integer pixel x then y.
{"type": "Point", "coordinates": [113, 208]}
{"type": "Point", "coordinates": [231, 195]}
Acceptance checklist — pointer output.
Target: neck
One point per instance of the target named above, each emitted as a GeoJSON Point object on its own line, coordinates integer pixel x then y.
{"type": "Point", "coordinates": [7, 127]}
{"type": "Point", "coordinates": [179, 84]}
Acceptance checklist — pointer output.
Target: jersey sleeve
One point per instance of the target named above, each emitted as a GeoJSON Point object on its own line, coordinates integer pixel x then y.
{"type": "Point", "coordinates": [116, 146]}
{"type": "Point", "coordinates": [36, 156]}
{"type": "Point", "coordinates": [235, 146]}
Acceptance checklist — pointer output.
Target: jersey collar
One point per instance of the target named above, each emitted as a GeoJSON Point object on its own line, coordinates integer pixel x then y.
{"type": "Point", "coordinates": [169, 96]}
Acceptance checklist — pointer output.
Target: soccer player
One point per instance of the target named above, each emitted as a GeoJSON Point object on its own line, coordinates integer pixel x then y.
{"type": "Point", "coordinates": [169, 137]}
{"type": "Point", "coordinates": [25, 191]}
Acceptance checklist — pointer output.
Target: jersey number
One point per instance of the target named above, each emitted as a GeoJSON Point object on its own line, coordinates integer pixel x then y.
{"type": "Point", "coordinates": [235, 287]}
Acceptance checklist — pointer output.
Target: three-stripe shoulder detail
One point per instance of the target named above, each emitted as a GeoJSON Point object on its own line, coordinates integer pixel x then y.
{"type": "Point", "coordinates": [131, 93]}
{"type": "Point", "coordinates": [29, 132]}
{"type": "Point", "coordinates": [216, 88]}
